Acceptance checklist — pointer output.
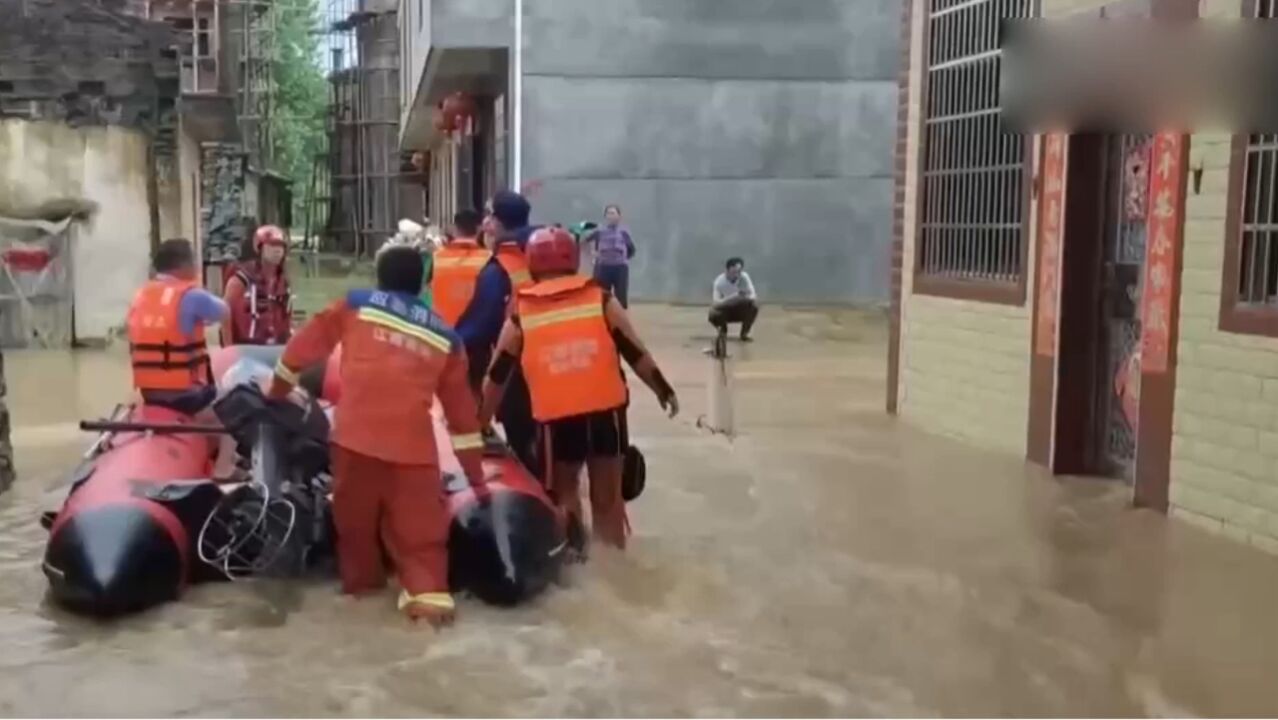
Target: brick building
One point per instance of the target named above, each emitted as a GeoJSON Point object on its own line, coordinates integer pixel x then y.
{"type": "Point", "coordinates": [1101, 305]}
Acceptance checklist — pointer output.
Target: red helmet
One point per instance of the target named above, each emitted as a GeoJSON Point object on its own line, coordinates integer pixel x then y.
{"type": "Point", "coordinates": [268, 234]}
{"type": "Point", "coordinates": [551, 250]}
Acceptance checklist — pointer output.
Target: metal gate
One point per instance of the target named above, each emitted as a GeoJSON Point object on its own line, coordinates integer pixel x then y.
{"type": "Point", "coordinates": [1128, 171]}
{"type": "Point", "coordinates": [35, 283]}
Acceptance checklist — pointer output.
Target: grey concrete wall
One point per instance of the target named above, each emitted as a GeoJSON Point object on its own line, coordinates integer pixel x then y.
{"type": "Point", "coordinates": [473, 23]}
{"type": "Point", "coordinates": [761, 128]}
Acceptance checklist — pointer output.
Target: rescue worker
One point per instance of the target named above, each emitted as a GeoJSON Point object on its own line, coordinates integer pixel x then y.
{"type": "Point", "coordinates": [258, 294]}
{"type": "Point", "coordinates": [167, 323]}
{"type": "Point", "coordinates": [507, 230]}
{"type": "Point", "coordinates": [397, 356]}
{"type": "Point", "coordinates": [569, 336]}
{"type": "Point", "coordinates": [166, 327]}
{"type": "Point", "coordinates": [419, 238]}
{"type": "Point", "coordinates": [456, 268]}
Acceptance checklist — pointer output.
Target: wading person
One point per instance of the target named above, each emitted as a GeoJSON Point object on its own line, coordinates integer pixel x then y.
{"type": "Point", "coordinates": [258, 294]}
{"type": "Point", "coordinates": [614, 248]}
{"type": "Point", "coordinates": [397, 356]}
{"type": "Point", "coordinates": [456, 268]}
{"type": "Point", "coordinates": [734, 300]}
{"type": "Point", "coordinates": [507, 230]}
{"type": "Point", "coordinates": [422, 240]}
{"type": "Point", "coordinates": [569, 336]}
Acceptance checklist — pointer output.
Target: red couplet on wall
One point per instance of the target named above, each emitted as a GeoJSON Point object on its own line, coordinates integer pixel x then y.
{"type": "Point", "coordinates": [1166, 190]}
{"type": "Point", "coordinates": [1050, 226]}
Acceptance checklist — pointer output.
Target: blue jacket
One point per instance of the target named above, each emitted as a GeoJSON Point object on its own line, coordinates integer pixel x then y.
{"type": "Point", "coordinates": [480, 326]}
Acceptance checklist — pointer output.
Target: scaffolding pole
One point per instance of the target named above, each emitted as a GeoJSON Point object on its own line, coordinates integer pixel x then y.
{"type": "Point", "coordinates": [367, 192]}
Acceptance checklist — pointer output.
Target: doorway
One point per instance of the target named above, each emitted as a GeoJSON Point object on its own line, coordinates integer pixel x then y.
{"type": "Point", "coordinates": [1103, 261]}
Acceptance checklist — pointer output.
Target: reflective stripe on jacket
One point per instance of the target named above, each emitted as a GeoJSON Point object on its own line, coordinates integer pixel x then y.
{"type": "Point", "coordinates": [263, 314]}
{"type": "Point", "coordinates": [397, 358]}
{"type": "Point", "coordinates": [457, 268]}
{"type": "Point", "coordinates": [569, 358]}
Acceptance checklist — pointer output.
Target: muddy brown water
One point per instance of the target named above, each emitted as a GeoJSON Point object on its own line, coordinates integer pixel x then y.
{"type": "Point", "coordinates": [829, 561]}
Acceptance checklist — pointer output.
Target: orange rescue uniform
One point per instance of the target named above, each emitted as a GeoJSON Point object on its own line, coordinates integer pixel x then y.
{"type": "Point", "coordinates": [562, 332]}
{"type": "Point", "coordinates": [513, 261]}
{"type": "Point", "coordinates": [397, 357]}
{"type": "Point", "coordinates": [163, 357]}
{"type": "Point", "coordinates": [457, 267]}
{"type": "Point", "coordinates": [569, 358]}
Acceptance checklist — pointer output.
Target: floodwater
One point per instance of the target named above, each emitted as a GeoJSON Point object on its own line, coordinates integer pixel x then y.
{"type": "Point", "coordinates": [829, 561]}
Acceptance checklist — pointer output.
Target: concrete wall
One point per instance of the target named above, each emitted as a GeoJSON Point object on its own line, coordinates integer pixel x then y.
{"type": "Point", "coordinates": [760, 128]}
{"type": "Point", "coordinates": [474, 23]}
{"type": "Point", "coordinates": [168, 194]}
{"type": "Point", "coordinates": [40, 162]}
{"type": "Point", "coordinates": [964, 365]}
{"type": "Point", "coordinates": [190, 201]}
{"type": "Point", "coordinates": [1225, 447]}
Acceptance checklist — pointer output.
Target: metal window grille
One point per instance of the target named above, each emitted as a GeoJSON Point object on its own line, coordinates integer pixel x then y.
{"type": "Point", "coordinates": [973, 174]}
{"type": "Point", "coordinates": [1258, 251]}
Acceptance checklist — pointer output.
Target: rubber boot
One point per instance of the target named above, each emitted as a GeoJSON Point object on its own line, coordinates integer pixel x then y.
{"type": "Point", "coordinates": [436, 609]}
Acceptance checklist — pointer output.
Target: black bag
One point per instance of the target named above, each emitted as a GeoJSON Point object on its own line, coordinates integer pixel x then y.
{"type": "Point", "coordinates": [634, 474]}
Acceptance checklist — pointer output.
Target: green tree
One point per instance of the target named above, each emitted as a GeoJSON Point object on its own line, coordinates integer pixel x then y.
{"type": "Point", "coordinates": [301, 97]}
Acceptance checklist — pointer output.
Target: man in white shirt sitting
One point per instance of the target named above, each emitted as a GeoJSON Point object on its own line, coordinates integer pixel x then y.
{"type": "Point", "coordinates": [734, 300]}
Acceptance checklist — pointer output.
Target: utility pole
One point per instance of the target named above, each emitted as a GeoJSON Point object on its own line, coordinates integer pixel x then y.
{"type": "Point", "coordinates": [517, 123]}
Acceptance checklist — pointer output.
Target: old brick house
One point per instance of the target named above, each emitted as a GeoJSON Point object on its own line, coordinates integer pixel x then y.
{"type": "Point", "coordinates": [140, 120]}
{"type": "Point", "coordinates": [1102, 305]}
{"type": "Point", "coordinates": [88, 112]}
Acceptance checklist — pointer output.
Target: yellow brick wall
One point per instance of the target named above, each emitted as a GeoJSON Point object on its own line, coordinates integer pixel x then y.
{"type": "Point", "coordinates": [964, 365]}
{"type": "Point", "coordinates": [965, 371]}
{"type": "Point", "coordinates": [1224, 471]}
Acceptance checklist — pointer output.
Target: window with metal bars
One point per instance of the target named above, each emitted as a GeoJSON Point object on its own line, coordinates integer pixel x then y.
{"type": "Point", "coordinates": [1249, 287]}
{"type": "Point", "coordinates": [974, 189]}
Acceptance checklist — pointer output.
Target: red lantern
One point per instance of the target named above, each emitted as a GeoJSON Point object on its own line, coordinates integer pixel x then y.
{"type": "Point", "coordinates": [458, 108]}
{"type": "Point", "coordinates": [443, 122]}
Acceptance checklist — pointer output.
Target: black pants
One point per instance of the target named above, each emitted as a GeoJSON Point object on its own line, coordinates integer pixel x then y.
{"type": "Point", "coordinates": [477, 360]}
{"type": "Point", "coordinates": [515, 415]}
{"type": "Point", "coordinates": [743, 311]}
{"type": "Point", "coordinates": [577, 439]}
{"type": "Point", "coordinates": [616, 280]}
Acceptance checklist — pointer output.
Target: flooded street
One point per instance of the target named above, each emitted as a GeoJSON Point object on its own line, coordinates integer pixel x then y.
{"type": "Point", "coordinates": [829, 561]}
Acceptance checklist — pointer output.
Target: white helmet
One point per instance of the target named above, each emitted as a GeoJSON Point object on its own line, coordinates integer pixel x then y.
{"type": "Point", "coordinates": [410, 234]}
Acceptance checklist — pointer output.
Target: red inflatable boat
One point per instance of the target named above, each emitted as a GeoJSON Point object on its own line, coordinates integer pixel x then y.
{"type": "Point", "coordinates": [128, 534]}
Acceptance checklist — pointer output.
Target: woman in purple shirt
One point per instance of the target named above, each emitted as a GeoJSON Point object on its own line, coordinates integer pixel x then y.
{"type": "Point", "coordinates": [613, 250]}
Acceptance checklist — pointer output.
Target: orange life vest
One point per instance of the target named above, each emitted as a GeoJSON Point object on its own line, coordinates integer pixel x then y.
{"type": "Point", "coordinates": [569, 358]}
{"type": "Point", "coordinates": [513, 261]}
{"type": "Point", "coordinates": [457, 268]}
{"type": "Point", "coordinates": [163, 357]}
{"type": "Point", "coordinates": [265, 315]}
